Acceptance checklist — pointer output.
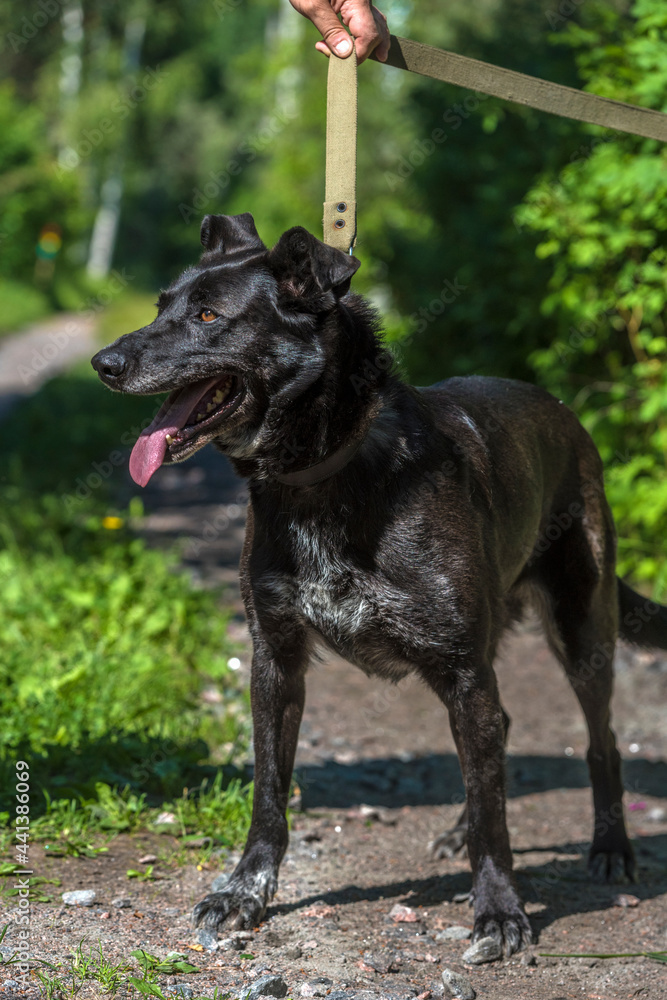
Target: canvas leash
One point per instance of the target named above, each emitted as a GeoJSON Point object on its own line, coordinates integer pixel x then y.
{"type": "Point", "coordinates": [340, 205]}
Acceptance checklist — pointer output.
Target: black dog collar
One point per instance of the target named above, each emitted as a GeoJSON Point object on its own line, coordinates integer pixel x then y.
{"type": "Point", "coordinates": [323, 470]}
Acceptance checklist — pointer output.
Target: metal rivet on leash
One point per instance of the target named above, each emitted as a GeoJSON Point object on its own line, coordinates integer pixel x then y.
{"type": "Point", "coordinates": [340, 175]}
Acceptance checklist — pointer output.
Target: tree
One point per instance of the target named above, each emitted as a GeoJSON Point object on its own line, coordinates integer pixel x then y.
{"type": "Point", "coordinates": [602, 220]}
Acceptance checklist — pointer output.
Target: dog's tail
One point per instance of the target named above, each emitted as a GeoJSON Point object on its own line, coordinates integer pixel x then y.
{"type": "Point", "coordinates": [641, 621]}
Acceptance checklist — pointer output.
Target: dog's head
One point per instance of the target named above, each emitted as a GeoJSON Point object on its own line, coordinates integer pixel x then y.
{"type": "Point", "coordinates": [234, 336]}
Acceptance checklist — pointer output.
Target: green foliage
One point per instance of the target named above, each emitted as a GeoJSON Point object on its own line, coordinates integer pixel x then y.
{"type": "Point", "coordinates": [104, 646]}
{"type": "Point", "coordinates": [174, 962]}
{"type": "Point", "coordinates": [110, 617]}
{"type": "Point", "coordinates": [602, 223]}
{"type": "Point", "coordinates": [21, 304]}
{"type": "Point", "coordinates": [127, 312]}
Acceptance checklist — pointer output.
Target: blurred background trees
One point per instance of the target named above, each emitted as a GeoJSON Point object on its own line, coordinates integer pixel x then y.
{"type": "Point", "coordinates": [494, 239]}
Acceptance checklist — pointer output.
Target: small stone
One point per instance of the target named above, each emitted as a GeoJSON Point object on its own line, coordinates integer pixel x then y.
{"type": "Point", "coordinates": [403, 914]}
{"type": "Point", "coordinates": [461, 897]}
{"type": "Point", "coordinates": [293, 951]}
{"type": "Point", "coordinates": [382, 961]}
{"type": "Point", "coordinates": [239, 940]}
{"type": "Point", "coordinates": [364, 966]}
{"type": "Point", "coordinates": [182, 990]}
{"type": "Point", "coordinates": [122, 903]}
{"type": "Point", "coordinates": [147, 859]}
{"type": "Point", "coordinates": [656, 815]}
{"type": "Point", "coordinates": [625, 900]}
{"type": "Point", "coordinates": [10, 984]}
{"type": "Point", "coordinates": [171, 911]}
{"type": "Point", "coordinates": [528, 959]}
{"type": "Point", "coordinates": [220, 881]}
{"type": "Point", "coordinates": [271, 939]}
{"type": "Point", "coordinates": [319, 910]}
{"type": "Point", "coordinates": [165, 819]}
{"type": "Point", "coordinates": [208, 939]}
{"type": "Point", "coordinates": [487, 949]}
{"type": "Point", "coordinates": [80, 897]}
{"type": "Point", "coordinates": [457, 985]}
{"type": "Point", "coordinates": [266, 986]}
{"type": "Point", "coordinates": [454, 933]}
{"type": "Point", "coordinates": [316, 987]}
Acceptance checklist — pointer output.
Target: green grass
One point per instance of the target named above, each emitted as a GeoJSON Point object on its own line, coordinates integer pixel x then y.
{"type": "Point", "coordinates": [130, 311]}
{"type": "Point", "coordinates": [87, 967]}
{"type": "Point", "coordinates": [21, 305]}
{"type": "Point", "coordinates": [105, 646]}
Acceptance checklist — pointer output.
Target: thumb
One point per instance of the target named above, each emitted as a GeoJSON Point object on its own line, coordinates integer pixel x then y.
{"type": "Point", "coordinates": [340, 43]}
{"type": "Point", "coordinates": [333, 33]}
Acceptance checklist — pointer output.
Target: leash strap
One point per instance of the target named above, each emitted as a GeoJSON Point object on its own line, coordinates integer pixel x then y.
{"type": "Point", "coordinates": [340, 189]}
{"type": "Point", "coordinates": [522, 89]}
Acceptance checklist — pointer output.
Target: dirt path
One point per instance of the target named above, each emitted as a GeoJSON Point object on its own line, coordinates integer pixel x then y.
{"type": "Point", "coordinates": [389, 749]}
{"type": "Point", "coordinates": [29, 358]}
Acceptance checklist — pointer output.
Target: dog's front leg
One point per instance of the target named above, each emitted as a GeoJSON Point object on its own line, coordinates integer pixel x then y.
{"type": "Point", "coordinates": [478, 727]}
{"type": "Point", "coordinates": [277, 690]}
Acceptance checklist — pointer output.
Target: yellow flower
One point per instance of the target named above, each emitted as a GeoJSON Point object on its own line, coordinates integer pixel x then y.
{"type": "Point", "coordinates": [112, 523]}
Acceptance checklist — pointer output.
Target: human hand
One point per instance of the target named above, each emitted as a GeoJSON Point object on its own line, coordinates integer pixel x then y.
{"type": "Point", "coordinates": [368, 27]}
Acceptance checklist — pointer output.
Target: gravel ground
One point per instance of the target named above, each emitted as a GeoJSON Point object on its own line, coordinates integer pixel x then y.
{"type": "Point", "coordinates": [378, 781]}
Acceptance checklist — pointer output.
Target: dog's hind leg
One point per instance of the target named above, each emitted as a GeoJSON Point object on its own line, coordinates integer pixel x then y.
{"type": "Point", "coordinates": [453, 841]}
{"type": "Point", "coordinates": [581, 621]}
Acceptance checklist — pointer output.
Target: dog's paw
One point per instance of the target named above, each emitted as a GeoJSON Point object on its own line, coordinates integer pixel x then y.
{"type": "Point", "coordinates": [511, 931]}
{"type": "Point", "coordinates": [242, 903]}
{"type": "Point", "coordinates": [450, 843]}
{"type": "Point", "coordinates": [615, 867]}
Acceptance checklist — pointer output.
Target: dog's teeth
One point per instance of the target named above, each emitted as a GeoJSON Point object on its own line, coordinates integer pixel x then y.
{"type": "Point", "coordinates": [200, 416]}
{"type": "Point", "coordinates": [211, 406]}
{"type": "Point", "coordinates": [169, 439]}
{"type": "Point", "coordinates": [219, 396]}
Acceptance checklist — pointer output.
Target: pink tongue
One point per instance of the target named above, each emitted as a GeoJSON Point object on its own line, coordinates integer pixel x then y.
{"type": "Point", "coordinates": [149, 451]}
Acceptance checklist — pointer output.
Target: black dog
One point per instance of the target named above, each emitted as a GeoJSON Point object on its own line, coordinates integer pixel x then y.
{"type": "Point", "coordinates": [403, 528]}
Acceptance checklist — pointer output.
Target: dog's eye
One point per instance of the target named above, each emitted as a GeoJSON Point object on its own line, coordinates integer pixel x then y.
{"type": "Point", "coordinates": [207, 315]}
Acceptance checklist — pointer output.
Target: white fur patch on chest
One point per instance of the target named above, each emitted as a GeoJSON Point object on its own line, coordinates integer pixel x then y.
{"type": "Point", "coordinates": [324, 590]}
{"type": "Point", "coordinates": [353, 612]}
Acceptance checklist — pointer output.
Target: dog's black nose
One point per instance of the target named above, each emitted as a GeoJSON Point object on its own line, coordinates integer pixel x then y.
{"type": "Point", "coordinates": [109, 364]}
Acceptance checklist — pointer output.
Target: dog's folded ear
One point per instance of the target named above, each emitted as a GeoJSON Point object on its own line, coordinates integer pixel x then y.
{"type": "Point", "coordinates": [230, 234]}
{"type": "Point", "coordinates": [310, 274]}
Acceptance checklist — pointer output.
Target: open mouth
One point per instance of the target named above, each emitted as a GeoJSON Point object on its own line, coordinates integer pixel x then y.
{"type": "Point", "coordinates": [185, 415]}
